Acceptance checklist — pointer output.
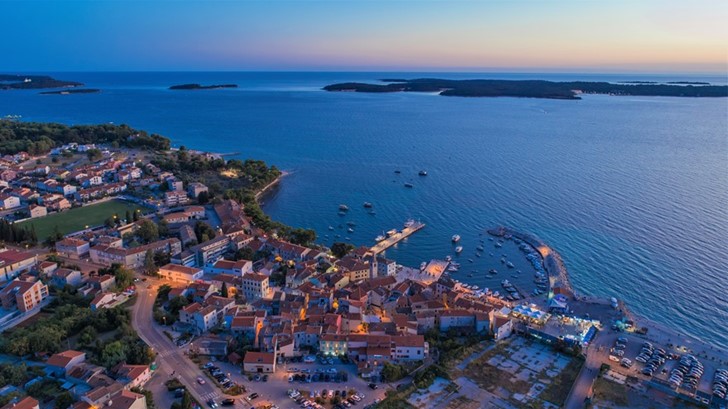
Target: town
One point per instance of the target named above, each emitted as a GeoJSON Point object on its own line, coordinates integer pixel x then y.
{"type": "Point", "coordinates": [136, 276]}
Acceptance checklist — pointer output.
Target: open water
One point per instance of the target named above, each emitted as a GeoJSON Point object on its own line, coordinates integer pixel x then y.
{"type": "Point", "coordinates": [632, 191]}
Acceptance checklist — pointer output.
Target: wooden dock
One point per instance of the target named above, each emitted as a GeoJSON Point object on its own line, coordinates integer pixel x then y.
{"type": "Point", "coordinates": [396, 238]}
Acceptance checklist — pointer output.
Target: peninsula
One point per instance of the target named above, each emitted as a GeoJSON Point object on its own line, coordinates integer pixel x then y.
{"type": "Point", "coordinates": [530, 88]}
{"type": "Point", "coordinates": [72, 91]}
{"type": "Point", "coordinates": [12, 81]}
{"type": "Point", "coordinates": [198, 86]}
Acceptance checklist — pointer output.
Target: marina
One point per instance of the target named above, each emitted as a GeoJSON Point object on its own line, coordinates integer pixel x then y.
{"type": "Point", "coordinates": [394, 236]}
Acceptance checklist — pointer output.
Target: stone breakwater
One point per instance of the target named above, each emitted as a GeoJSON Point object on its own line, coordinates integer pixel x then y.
{"type": "Point", "coordinates": [552, 262]}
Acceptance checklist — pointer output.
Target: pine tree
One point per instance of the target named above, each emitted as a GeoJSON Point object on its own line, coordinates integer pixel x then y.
{"type": "Point", "coordinates": [224, 290]}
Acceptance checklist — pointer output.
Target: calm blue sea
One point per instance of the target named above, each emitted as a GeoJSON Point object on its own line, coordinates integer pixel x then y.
{"type": "Point", "coordinates": [632, 191]}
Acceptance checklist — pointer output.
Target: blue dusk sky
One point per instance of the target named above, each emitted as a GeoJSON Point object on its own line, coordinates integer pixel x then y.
{"type": "Point", "coordinates": [597, 36]}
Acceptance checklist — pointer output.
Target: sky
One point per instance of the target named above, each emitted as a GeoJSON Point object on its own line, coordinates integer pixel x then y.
{"type": "Point", "coordinates": [362, 35]}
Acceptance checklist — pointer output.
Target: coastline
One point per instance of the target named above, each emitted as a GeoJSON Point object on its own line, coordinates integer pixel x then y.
{"type": "Point", "coordinates": [259, 194]}
{"type": "Point", "coordinates": [673, 338]}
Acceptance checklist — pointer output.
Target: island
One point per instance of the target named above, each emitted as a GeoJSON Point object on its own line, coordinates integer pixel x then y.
{"type": "Point", "coordinates": [12, 81]}
{"type": "Point", "coordinates": [530, 88]}
{"type": "Point", "coordinates": [71, 91]}
{"type": "Point", "coordinates": [198, 86]}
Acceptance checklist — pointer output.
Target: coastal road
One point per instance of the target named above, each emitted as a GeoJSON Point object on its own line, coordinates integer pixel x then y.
{"type": "Point", "coordinates": [596, 354]}
{"type": "Point", "coordinates": [170, 358]}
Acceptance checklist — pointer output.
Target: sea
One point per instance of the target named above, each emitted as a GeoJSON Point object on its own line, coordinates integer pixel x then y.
{"type": "Point", "coordinates": [631, 191]}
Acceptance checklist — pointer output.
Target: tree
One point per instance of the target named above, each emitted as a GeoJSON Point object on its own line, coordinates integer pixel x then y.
{"type": "Point", "coordinates": [340, 249]}
{"type": "Point", "coordinates": [150, 267]}
{"type": "Point", "coordinates": [148, 231]}
{"type": "Point", "coordinates": [303, 237]}
{"type": "Point", "coordinates": [392, 372]}
{"type": "Point", "coordinates": [94, 154]}
{"type": "Point", "coordinates": [204, 232]}
{"type": "Point", "coordinates": [63, 400]}
{"type": "Point", "coordinates": [110, 222]}
{"type": "Point", "coordinates": [112, 353]}
{"type": "Point", "coordinates": [224, 290]}
{"type": "Point", "coordinates": [128, 216]}
{"type": "Point", "coordinates": [203, 198]}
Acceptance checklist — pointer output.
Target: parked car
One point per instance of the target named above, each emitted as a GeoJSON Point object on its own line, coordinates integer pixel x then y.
{"type": "Point", "coordinates": [200, 381]}
{"type": "Point", "coordinates": [252, 396]}
{"type": "Point", "coordinates": [373, 386]}
{"type": "Point", "coordinates": [228, 402]}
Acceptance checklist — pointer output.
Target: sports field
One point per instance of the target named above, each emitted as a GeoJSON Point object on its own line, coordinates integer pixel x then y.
{"type": "Point", "coordinates": [80, 218]}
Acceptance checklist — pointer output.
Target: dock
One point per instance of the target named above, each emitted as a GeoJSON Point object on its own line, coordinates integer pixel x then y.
{"type": "Point", "coordinates": [396, 237]}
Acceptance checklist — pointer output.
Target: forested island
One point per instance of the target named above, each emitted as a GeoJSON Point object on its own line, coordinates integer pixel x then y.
{"type": "Point", "coordinates": [198, 86]}
{"type": "Point", "coordinates": [530, 88]}
{"type": "Point", "coordinates": [11, 81]}
{"type": "Point", "coordinates": [71, 91]}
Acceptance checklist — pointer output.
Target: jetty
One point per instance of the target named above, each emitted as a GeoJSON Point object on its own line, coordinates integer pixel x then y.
{"type": "Point", "coordinates": [408, 230]}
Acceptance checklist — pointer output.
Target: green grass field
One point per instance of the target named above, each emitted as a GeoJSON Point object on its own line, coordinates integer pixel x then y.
{"type": "Point", "coordinates": [78, 218]}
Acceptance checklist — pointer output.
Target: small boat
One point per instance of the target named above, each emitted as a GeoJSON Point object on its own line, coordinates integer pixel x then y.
{"type": "Point", "coordinates": [397, 171]}
{"type": "Point", "coordinates": [409, 185]}
{"type": "Point", "coordinates": [379, 238]}
{"type": "Point", "coordinates": [347, 239]}
{"type": "Point", "coordinates": [331, 227]}
{"type": "Point", "coordinates": [510, 265]}
{"type": "Point", "coordinates": [458, 249]}
{"type": "Point", "coordinates": [452, 269]}
{"type": "Point", "coordinates": [477, 254]}
{"type": "Point", "coordinates": [503, 260]}
{"type": "Point", "coordinates": [475, 287]}
{"type": "Point", "coordinates": [480, 248]}
{"type": "Point", "coordinates": [455, 238]}
{"type": "Point", "coordinates": [342, 213]}
{"type": "Point", "coordinates": [350, 230]}
{"type": "Point", "coordinates": [391, 233]}
{"type": "Point", "coordinates": [372, 212]}
{"type": "Point", "coordinates": [423, 173]}
{"type": "Point", "coordinates": [423, 265]}
{"type": "Point", "coordinates": [368, 205]}
{"type": "Point", "coordinates": [409, 223]}
{"type": "Point", "coordinates": [343, 207]}
{"type": "Point", "coordinates": [493, 271]}
{"type": "Point", "coordinates": [352, 224]}
{"type": "Point", "coordinates": [470, 275]}
{"type": "Point", "coordinates": [471, 260]}
{"type": "Point", "coordinates": [448, 258]}
{"type": "Point", "coordinates": [499, 244]}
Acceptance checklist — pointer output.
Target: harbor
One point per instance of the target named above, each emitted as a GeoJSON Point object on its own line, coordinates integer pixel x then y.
{"type": "Point", "coordinates": [394, 236]}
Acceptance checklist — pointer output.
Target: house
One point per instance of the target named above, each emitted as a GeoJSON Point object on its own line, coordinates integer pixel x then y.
{"type": "Point", "coordinates": [133, 376]}
{"type": "Point", "coordinates": [259, 362]}
{"type": "Point", "coordinates": [195, 188]}
{"type": "Point", "coordinates": [255, 286]}
{"type": "Point", "coordinates": [195, 212]}
{"type": "Point", "coordinates": [223, 266]}
{"type": "Point", "coordinates": [178, 273]}
{"type": "Point", "coordinates": [65, 276]}
{"type": "Point", "coordinates": [175, 198]}
{"type": "Point", "coordinates": [200, 318]}
{"type": "Point", "coordinates": [409, 348]}
{"type": "Point", "coordinates": [73, 248]}
{"type": "Point", "coordinates": [62, 362]}
{"type": "Point", "coordinates": [23, 295]}
{"type": "Point", "coordinates": [102, 283]}
{"type": "Point", "coordinates": [126, 400]}
{"type": "Point", "coordinates": [178, 217]}
{"type": "Point", "coordinates": [456, 319]}
{"type": "Point", "coordinates": [9, 202]}
{"type": "Point", "coordinates": [175, 185]}
{"type": "Point", "coordinates": [37, 211]}
{"type": "Point", "coordinates": [13, 263]}
{"type": "Point", "coordinates": [134, 257]}
{"type": "Point", "coordinates": [25, 403]}
{"type": "Point", "coordinates": [46, 268]}
{"type": "Point", "coordinates": [210, 251]}
{"type": "Point", "coordinates": [102, 300]}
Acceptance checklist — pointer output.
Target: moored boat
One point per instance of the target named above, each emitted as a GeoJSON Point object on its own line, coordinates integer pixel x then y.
{"type": "Point", "coordinates": [455, 238]}
{"type": "Point", "coordinates": [458, 249]}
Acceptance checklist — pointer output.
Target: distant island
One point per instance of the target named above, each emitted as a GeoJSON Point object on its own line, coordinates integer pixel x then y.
{"type": "Point", "coordinates": [688, 82]}
{"type": "Point", "coordinates": [530, 88]}
{"type": "Point", "coordinates": [71, 91]}
{"type": "Point", "coordinates": [12, 81]}
{"type": "Point", "coordinates": [198, 86]}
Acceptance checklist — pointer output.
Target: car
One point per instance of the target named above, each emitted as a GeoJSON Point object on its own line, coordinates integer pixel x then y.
{"type": "Point", "coordinates": [211, 403]}
{"type": "Point", "coordinates": [613, 358]}
{"type": "Point", "coordinates": [252, 396]}
{"type": "Point", "coordinates": [622, 340]}
{"type": "Point", "coordinates": [200, 381]}
{"type": "Point", "coordinates": [228, 402]}
{"type": "Point", "coordinates": [290, 379]}
{"type": "Point", "coordinates": [373, 386]}
{"type": "Point", "coordinates": [209, 365]}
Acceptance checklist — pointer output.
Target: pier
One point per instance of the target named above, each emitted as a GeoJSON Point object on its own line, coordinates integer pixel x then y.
{"type": "Point", "coordinates": [396, 237]}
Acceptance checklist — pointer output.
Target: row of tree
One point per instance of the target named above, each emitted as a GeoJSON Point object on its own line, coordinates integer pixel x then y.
{"type": "Point", "coordinates": [13, 233]}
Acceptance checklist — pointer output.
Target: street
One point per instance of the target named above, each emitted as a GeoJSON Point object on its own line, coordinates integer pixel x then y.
{"type": "Point", "coordinates": [170, 358]}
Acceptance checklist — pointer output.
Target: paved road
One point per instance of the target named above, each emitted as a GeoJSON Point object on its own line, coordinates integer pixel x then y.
{"type": "Point", "coordinates": [597, 354]}
{"type": "Point", "coordinates": [170, 358]}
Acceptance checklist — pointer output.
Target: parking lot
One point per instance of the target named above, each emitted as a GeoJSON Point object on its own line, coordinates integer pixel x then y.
{"type": "Point", "coordinates": [274, 391]}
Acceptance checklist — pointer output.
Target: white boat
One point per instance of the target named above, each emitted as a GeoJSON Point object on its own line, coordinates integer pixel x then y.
{"type": "Point", "coordinates": [343, 207]}
{"type": "Point", "coordinates": [510, 265]}
{"type": "Point", "coordinates": [448, 258]}
{"type": "Point", "coordinates": [458, 249]}
{"type": "Point", "coordinates": [350, 230]}
{"type": "Point", "coordinates": [475, 287]}
{"type": "Point", "coordinates": [455, 238]}
{"type": "Point", "coordinates": [452, 269]}
{"type": "Point", "coordinates": [499, 244]}
{"type": "Point", "coordinates": [331, 227]}
{"type": "Point", "coordinates": [423, 265]}
{"type": "Point", "coordinates": [409, 223]}
{"type": "Point", "coordinates": [379, 238]}
{"type": "Point", "coordinates": [391, 232]}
